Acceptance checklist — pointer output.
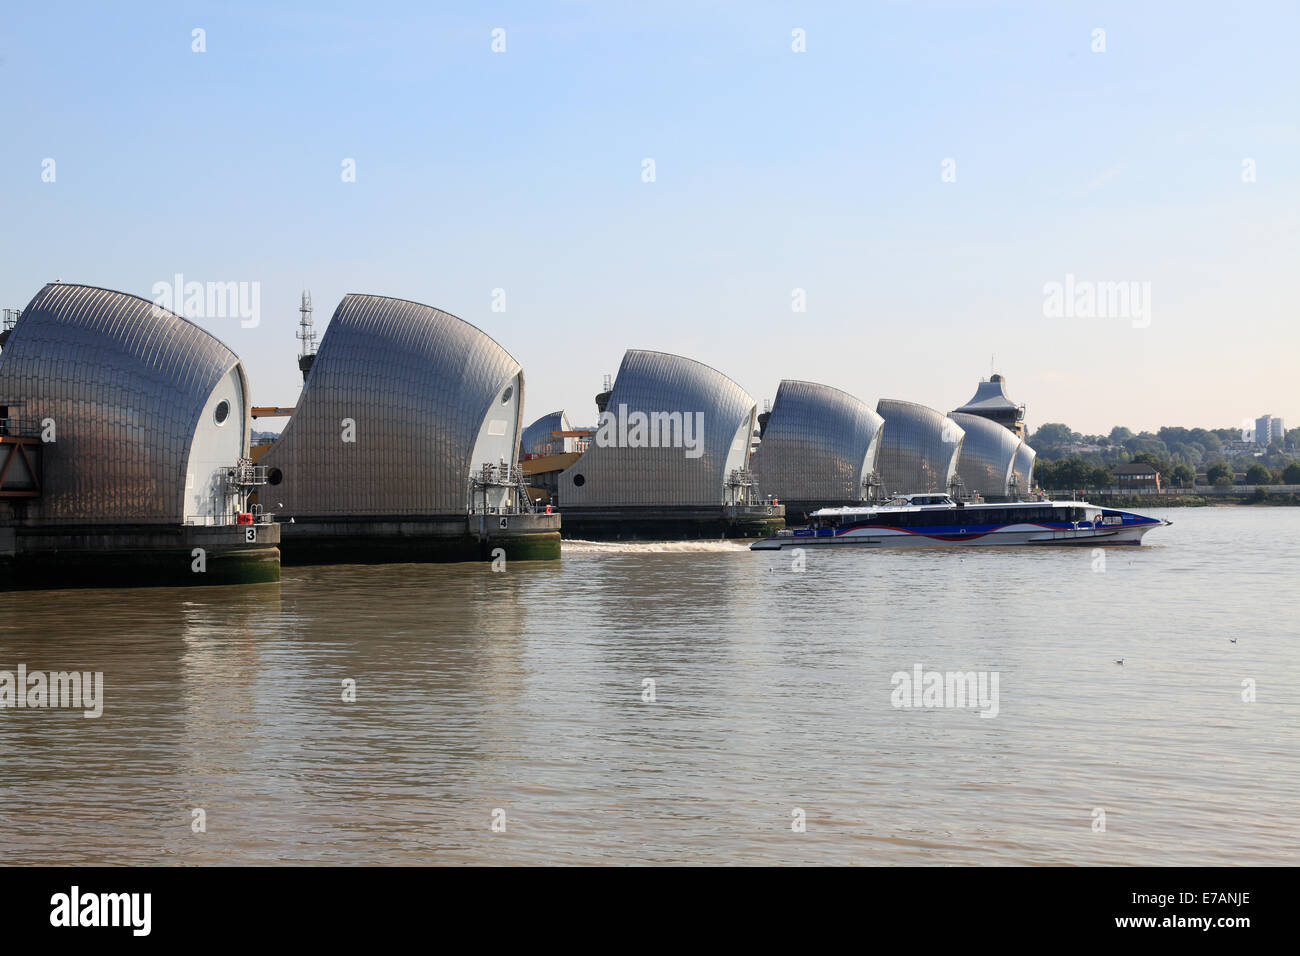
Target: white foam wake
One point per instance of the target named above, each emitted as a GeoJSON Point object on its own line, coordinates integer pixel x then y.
{"type": "Point", "coordinates": [650, 547]}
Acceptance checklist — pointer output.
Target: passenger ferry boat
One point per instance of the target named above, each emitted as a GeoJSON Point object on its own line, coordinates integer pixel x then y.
{"type": "Point", "coordinates": [934, 519]}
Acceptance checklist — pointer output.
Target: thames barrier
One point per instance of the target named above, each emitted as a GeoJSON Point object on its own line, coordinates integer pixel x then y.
{"type": "Point", "coordinates": [126, 452]}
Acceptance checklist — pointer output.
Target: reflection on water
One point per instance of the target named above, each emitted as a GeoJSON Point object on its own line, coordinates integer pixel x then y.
{"type": "Point", "coordinates": [523, 691]}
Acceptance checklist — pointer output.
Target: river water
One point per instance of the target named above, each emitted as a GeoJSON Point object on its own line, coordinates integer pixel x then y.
{"type": "Point", "coordinates": [519, 698]}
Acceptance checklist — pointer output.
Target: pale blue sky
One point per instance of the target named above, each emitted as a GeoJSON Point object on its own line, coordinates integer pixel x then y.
{"type": "Point", "coordinates": [775, 170]}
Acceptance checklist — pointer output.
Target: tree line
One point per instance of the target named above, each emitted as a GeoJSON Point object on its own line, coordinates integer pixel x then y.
{"type": "Point", "coordinates": [1067, 459]}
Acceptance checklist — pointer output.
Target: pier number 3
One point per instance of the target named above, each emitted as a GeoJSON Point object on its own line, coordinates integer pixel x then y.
{"type": "Point", "coordinates": [250, 534]}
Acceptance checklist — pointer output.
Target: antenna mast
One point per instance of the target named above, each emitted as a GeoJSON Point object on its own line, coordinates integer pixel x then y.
{"type": "Point", "coordinates": [602, 399]}
{"type": "Point", "coordinates": [306, 334]}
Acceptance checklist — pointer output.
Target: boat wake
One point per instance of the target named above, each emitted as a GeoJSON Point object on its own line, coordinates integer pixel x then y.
{"type": "Point", "coordinates": [578, 546]}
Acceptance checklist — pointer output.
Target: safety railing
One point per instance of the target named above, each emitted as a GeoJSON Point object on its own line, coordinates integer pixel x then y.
{"type": "Point", "coordinates": [19, 428]}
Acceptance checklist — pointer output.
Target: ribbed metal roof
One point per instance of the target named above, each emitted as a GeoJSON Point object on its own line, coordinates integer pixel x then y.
{"type": "Point", "coordinates": [537, 438]}
{"type": "Point", "coordinates": [1023, 470]}
{"type": "Point", "coordinates": [658, 382]}
{"type": "Point", "coordinates": [420, 386]}
{"type": "Point", "coordinates": [919, 448]}
{"type": "Point", "coordinates": [125, 383]}
{"type": "Point", "coordinates": [989, 396]}
{"type": "Point", "coordinates": [988, 454]}
{"type": "Point", "coordinates": [819, 444]}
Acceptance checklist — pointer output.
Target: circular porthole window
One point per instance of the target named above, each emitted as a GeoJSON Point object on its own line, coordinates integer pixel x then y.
{"type": "Point", "coordinates": [222, 412]}
{"type": "Point", "coordinates": [505, 396]}
{"type": "Point", "coordinates": [579, 481]}
{"type": "Point", "coordinates": [274, 476]}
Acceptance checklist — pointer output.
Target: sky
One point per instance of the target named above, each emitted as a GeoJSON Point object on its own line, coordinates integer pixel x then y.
{"type": "Point", "coordinates": [917, 177]}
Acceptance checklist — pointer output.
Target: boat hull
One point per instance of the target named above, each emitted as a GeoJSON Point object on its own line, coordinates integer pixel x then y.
{"type": "Point", "coordinates": [1010, 535]}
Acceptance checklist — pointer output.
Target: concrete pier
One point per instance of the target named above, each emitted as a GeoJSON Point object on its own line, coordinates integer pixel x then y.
{"type": "Point", "coordinates": [138, 556]}
{"type": "Point", "coordinates": [370, 540]}
{"type": "Point", "coordinates": [796, 512]}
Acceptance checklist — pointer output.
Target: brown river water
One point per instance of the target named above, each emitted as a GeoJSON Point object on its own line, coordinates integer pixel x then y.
{"type": "Point", "coordinates": [517, 698]}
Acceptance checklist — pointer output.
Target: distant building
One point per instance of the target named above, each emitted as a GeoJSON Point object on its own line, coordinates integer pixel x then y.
{"type": "Point", "coordinates": [539, 438]}
{"type": "Point", "coordinates": [1269, 429]}
{"type": "Point", "coordinates": [1241, 448]}
{"type": "Point", "coordinates": [1137, 476]}
{"type": "Point", "coordinates": [1264, 430]}
{"type": "Point", "coordinates": [990, 401]}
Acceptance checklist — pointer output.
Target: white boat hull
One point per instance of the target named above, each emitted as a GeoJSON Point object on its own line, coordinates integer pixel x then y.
{"type": "Point", "coordinates": [1009, 535]}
